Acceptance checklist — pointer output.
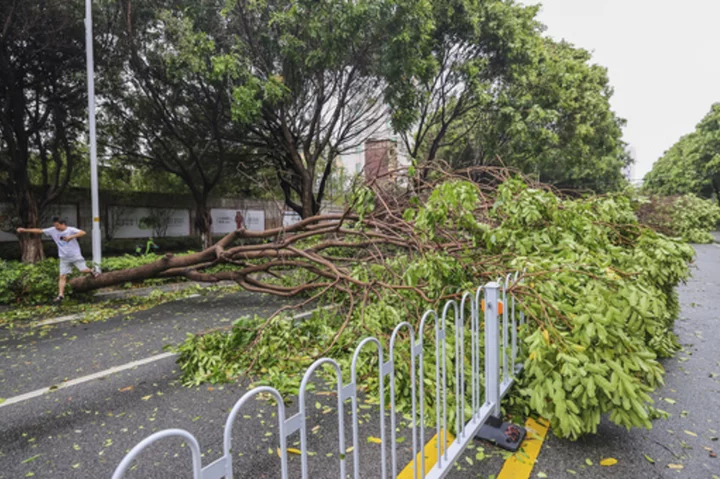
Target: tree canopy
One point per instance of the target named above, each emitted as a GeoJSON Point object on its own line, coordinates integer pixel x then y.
{"type": "Point", "coordinates": [167, 106]}
{"type": "Point", "coordinates": [262, 97]}
{"type": "Point", "coordinates": [552, 119]}
{"type": "Point", "coordinates": [692, 165]}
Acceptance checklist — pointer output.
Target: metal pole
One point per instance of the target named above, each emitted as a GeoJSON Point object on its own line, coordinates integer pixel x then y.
{"type": "Point", "coordinates": [492, 348]}
{"type": "Point", "coordinates": [96, 251]}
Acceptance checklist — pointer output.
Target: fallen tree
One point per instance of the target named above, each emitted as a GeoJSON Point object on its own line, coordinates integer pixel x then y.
{"type": "Point", "coordinates": [306, 245]}
{"type": "Point", "coordinates": [598, 290]}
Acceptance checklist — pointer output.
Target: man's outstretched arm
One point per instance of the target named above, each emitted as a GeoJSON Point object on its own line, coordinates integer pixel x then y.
{"type": "Point", "coordinates": [30, 230]}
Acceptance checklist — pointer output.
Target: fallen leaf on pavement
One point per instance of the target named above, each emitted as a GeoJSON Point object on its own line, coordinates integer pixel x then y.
{"type": "Point", "coordinates": [675, 466]}
{"type": "Point", "coordinates": [126, 389]}
{"type": "Point", "coordinates": [609, 461]}
{"type": "Point", "coordinates": [649, 459]}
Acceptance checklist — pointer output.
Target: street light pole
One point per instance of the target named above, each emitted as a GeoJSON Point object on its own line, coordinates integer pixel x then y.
{"type": "Point", "coordinates": [96, 247]}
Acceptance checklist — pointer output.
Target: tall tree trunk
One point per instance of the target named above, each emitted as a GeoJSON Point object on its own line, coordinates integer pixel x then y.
{"type": "Point", "coordinates": [203, 222]}
{"type": "Point", "coordinates": [309, 205]}
{"type": "Point", "coordinates": [31, 250]}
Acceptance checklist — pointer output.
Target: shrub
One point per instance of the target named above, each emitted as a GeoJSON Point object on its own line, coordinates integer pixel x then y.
{"type": "Point", "coordinates": [28, 283]}
{"type": "Point", "coordinates": [22, 283]}
{"type": "Point", "coordinates": [687, 216]}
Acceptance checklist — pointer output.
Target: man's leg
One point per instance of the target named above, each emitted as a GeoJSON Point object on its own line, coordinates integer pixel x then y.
{"type": "Point", "coordinates": [65, 270]}
{"type": "Point", "coordinates": [83, 268]}
{"type": "Point", "coordinates": [61, 285]}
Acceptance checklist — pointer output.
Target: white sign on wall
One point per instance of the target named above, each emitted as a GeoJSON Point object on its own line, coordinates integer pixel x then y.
{"type": "Point", "coordinates": [223, 220]}
{"type": "Point", "coordinates": [290, 218]}
{"type": "Point", "coordinates": [69, 212]}
{"type": "Point", "coordinates": [128, 222]}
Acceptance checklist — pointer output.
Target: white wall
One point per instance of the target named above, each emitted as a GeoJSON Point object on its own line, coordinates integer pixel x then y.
{"type": "Point", "coordinates": [69, 212]}
{"type": "Point", "coordinates": [127, 225]}
{"type": "Point", "coordinates": [223, 220]}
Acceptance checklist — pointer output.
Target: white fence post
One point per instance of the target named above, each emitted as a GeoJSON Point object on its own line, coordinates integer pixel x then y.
{"type": "Point", "coordinates": [492, 348]}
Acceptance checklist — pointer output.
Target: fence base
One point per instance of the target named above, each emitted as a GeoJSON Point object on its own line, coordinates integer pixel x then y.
{"type": "Point", "coordinates": [504, 435]}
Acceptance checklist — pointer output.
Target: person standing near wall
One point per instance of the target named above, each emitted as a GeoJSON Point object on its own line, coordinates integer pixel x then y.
{"type": "Point", "coordinates": [68, 250]}
{"type": "Point", "coordinates": [239, 221]}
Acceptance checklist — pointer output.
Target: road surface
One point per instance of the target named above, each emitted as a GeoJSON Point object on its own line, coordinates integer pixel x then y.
{"type": "Point", "coordinates": [84, 430]}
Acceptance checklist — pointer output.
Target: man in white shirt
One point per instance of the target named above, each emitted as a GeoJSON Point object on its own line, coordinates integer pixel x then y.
{"type": "Point", "coordinates": [68, 250]}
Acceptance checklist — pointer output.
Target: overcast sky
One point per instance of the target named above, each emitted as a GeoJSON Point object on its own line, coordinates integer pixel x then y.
{"type": "Point", "coordinates": [663, 58]}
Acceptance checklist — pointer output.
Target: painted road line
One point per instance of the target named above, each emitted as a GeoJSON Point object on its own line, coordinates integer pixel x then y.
{"type": "Point", "coordinates": [107, 372]}
{"type": "Point", "coordinates": [520, 464]}
{"type": "Point", "coordinates": [84, 379]}
{"type": "Point", "coordinates": [430, 453]}
{"type": "Point", "coordinates": [60, 319]}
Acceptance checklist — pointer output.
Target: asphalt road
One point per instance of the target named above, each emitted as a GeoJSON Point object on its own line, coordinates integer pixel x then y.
{"type": "Point", "coordinates": [84, 431]}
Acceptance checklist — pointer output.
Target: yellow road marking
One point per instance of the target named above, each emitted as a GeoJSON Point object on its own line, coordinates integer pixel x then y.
{"type": "Point", "coordinates": [520, 464]}
{"type": "Point", "coordinates": [430, 452]}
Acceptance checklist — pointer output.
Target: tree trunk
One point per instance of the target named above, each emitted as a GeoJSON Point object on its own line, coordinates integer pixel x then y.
{"type": "Point", "coordinates": [31, 250]}
{"type": "Point", "coordinates": [203, 223]}
{"type": "Point", "coordinates": [308, 198]}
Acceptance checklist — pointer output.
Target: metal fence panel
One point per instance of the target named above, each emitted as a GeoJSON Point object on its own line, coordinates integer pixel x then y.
{"type": "Point", "coordinates": [500, 351]}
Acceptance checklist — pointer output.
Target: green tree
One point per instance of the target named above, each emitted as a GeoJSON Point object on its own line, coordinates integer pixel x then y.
{"type": "Point", "coordinates": [169, 109]}
{"type": "Point", "coordinates": [552, 118]}
{"type": "Point", "coordinates": [446, 60]}
{"type": "Point", "coordinates": [692, 165]}
{"type": "Point", "coordinates": [313, 85]}
{"type": "Point", "coordinates": [42, 105]}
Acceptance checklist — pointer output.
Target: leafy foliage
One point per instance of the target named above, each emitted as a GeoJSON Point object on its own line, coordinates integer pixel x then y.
{"type": "Point", "coordinates": [28, 283]}
{"type": "Point", "coordinates": [23, 283]}
{"type": "Point", "coordinates": [687, 216]}
{"type": "Point", "coordinates": [42, 100]}
{"type": "Point", "coordinates": [551, 119]}
{"type": "Point", "coordinates": [99, 311]}
{"type": "Point", "coordinates": [597, 288]}
{"type": "Point", "coordinates": [692, 165]}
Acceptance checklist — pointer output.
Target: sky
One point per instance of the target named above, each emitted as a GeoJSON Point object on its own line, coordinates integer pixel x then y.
{"type": "Point", "coordinates": [663, 60]}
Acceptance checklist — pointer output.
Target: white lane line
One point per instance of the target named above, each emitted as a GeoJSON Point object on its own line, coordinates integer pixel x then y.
{"type": "Point", "coordinates": [116, 369]}
{"type": "Point", "coordinates": [84, 379]}
{"type": "Point", "coordinates": [61, 319]}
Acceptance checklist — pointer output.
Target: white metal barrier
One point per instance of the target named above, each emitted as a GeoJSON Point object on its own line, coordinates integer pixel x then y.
{"type": "Point", "coordinates": [501, 347]}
